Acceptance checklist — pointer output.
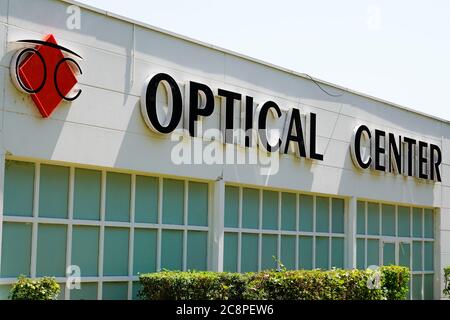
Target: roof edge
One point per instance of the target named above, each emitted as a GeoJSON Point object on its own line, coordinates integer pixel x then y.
{"type": "Point", "coordinates": [251, 59]}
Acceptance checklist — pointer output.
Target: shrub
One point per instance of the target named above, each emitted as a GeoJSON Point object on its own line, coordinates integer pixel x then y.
{"type": "Point", "coordinates": [447, 281]}
{"type": "Point", "coordinates": [333, 284]}
{"type": "Point", "coordinates": [34, 289]}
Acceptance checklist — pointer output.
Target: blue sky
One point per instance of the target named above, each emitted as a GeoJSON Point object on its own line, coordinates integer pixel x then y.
{"type": "Point", "coordinates": [395, 50]}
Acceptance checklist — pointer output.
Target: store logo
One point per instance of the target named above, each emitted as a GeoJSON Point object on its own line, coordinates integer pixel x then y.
{"type": "Point", "coordinates": [47, 72]}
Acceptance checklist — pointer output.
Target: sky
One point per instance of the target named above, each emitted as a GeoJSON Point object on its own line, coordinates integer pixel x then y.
{"type": "Point", "coordinates": [398, 50]}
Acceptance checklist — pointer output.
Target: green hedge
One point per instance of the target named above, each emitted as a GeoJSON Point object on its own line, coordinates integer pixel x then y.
{"type": "Point", "coordinates": [34, 289]}
{"type": "Point", "coordinates": [334, 284]}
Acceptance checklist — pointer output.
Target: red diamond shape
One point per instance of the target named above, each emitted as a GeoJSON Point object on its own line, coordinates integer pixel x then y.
{"type": "Point", "coordinates": [31, 72]}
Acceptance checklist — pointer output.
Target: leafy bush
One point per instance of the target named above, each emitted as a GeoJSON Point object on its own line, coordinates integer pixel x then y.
{"type": "Point", "coordinates": [333, 284]}
{"type": "Point", "coordinates": [447, 281]}
{"type": "Point", "coordinates": [34, 289]}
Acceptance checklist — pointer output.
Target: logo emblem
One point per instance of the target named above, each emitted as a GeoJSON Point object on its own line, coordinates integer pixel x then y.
{"type": "Point", "coordinates": [46, 71]}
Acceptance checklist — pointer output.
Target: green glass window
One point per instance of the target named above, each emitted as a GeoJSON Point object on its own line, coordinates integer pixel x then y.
{"type": "Point", "coordinates": [115, 260]}
{"type": "Point", "coordinates": [288, 211]}
{"type": "Point", "coordinates": [197, 246]}
{"type": "Point", "coordinates": [231, 207]}
{"type": "Point", "coordinates": [250, 208]}
{"type": "Point", "coordinates": [388, 220]}
{"type": "Point", "coordinates": [16, 249]}
{"type": "Point", "coordinates": [306, 213]}
{"type": "Point", "coordinates": [429, 256]}
{"type": "Point", "coordinates": [88, 291]}
{"type": "Point", "coordinates": [417, 222]}
{"type": "Point", "coordinates": [118, 188]}
{"type": "Point", "coordinates": [230, 252]}
{"type": "Point", "coordinates": [249, 252]}
{"type": "Point", "coordinates": [361, 218]}
{"type": "Point", "coordinates": [428, 287]}
{"type": "Point", "coordinates": [4, 291]}
{"type": "Point", "coordinates": [53, 191]}
{"type": "Point", "coordinates": [269, 251]}
{"type": "Point", "coordinates": [115, 291]}
{"type": "Point", "coordinates": [373, 219]}
{"type": "Point", "coordinates": [360, 253]}
{"type": "Point", "coordinates": [417, 287]}
{"type": "Point", "coordinates": [322, 214]}
{"type": "Point", "coordinates": [373, 252]}
{"type": "Point", "coordinates": [288, 252]}
{"type": "Point", "coordinates": [305, 252]}
{"type": "Point", "coordinates": [428, 223]}
{"type": "Point", "coordinates": [19, 186]}
{"type": "Point", "coordinates": [337, 252]}
{"type": "Point", "coordinates": [51, 250]}
{"type": "Point", "coordinates": [87, 192]}
{"type": "Point", "coordinates": [136, 288]}
{"type": "Point", "coordinates": [338, 208]}
{"type": "Point", "coordinates": [146, 199]}
{"type": "Point", "coordinates": [173, 201]}
{"type": "Point", "coordinates": [172, 250]}
{"type": "Point", "coordinates": [322, 249]}
{"type": "Point", "coordinates": [405, 254]}
{"type": "Point", "coordinates": [270, 210]}
{"type": "Point", "coordinates": [144, 252]}
{"type": "Point", "coordinates": [85, 241]}
{"type": "Point", "coordinates": [417, 256]}
{"type": "Point", "coordinates": [404, 222]}
{"type": "Point", "coordinates": [388, 253]}
{"type": "Point", "coordinates": [198, 204]}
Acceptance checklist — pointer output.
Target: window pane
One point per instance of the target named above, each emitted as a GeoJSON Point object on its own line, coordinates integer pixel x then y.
{"type": "Point", "coordinates": [19, 186]}
{"type": "Point", "coordinates": [270, 210]}
{"type": "Point", "coordinates": [337, 252]}
{"type": "Point", "coordinates": [373, 253]}
{"type": "Point", "coordinates": [429, 256]}
{"type": "Point", "coordinates": [144, 251]}
{"type": "Point", "coordinates": [361, 218]}
{"type": "Point", "coordinates": [417, 256]}
{"type": "Point", "coordinates": [288, 252]}
{"type": "Point", "coordinates": [136, 288]}
{"type": "Point", "coordinates": [249, 252]}
{"type": "Point", "coordinates": [231, 207]}
{"type": "Point", "coordinates": [118, 188]}
{"type": "Point", "coordinates": [250, 208]}
{"type": "Point", "coordinates": [115, 260]}
{"type": "Point", "coordinates": [51, 250]}
{"type": "Point", "coordinates": [53, 191]}
{"type": "Point", "coordinates": [305, 252]}
{"type": "Point", "coordinates": [404, 222]}
{"type": "Point", "coordinates": [16, 249]}
{"type": "Point", "coordinates": [288, 211]}
{"type": "Point", "coordinates": [322, 247]}
{"type": "Point", "coordinates": [230, 251]}
{"type": "Point", "coordinates": [269, 251]}
{"type": "Point", "coordinates": [172, 250]}
{"type": "Point", "coordinates": [388, 220]}
{"type": "Point", "coordinates": [405, 254]}
{"type": "Point", "coordinates": [173, 201]}
{"type": "Point", "coordinates": [306, 213]}
{"type": "Point", "coordinates": [322, 214]}
{"type": "Point", "coordinates": [115, 291]}
{"type": "Point", "coordinates": [146, 198]}
{"type": "Point", "coordinates": [198, 204]}
{"type": "Point", "coordinates": [85, 249]}
{"type": "Point", "coordinates": [417, 222]}
{"type": "Point", "coordinates": [429, 223]}
{"type": "Point", "coordinates": [338, 215]}
{"type": "Point", "coordinates": [360, 253]}
{"type": "Point", "coordinates": [197, 245]}
{"type": "Point", "coordinates": [88, 291]}
{"type": "Point", "coordinates": [417, 287]}
{"type": "Point", "coordinates": [373, 219]}
{"type": "Point", "coordinates": [428, 287]}
{"type": "Point", "coordinates": [388, 253]}
{"type": "Point", "coordinates": [87, 191]}
{"type": "Point", "coordinates": [4, 291]}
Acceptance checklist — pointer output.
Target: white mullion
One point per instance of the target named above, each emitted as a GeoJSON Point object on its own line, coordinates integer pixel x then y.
{"type": "Point", "coordinates": [297, 222]}
{"type": "Point", "coordinates": [185, 223]}
{"type": "Point", "coordinates": [131, 240]}
{"type": "Point", "coordinates": [366, 232]}
{"type": "Point", "coordinates": [279, 230]}
{"type": "Point", "coordinates": [330, 221]}
{"type": "Point", "coordinates": [396, 221]}
{"type": "Point", "coordinates": [70, 226]}
{"type": "Point", "coordinates": [37, 178]}
{"type": "Point", "coordinates": [159, 235]}
{"type": "Point", "coordinates": [423, 253]}
{"type": "Point", "coordinates": [260, 217]}
{"type": "Point", "coordinates": [314, 234]}
{"type": "Point", "coordinates": [102, 235]}
{"type": "Point", "coordinates": [239, 250]}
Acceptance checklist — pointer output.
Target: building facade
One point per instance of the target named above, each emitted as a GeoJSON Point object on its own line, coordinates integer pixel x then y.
{"type": "Point", "coordinates": [100, 183]}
